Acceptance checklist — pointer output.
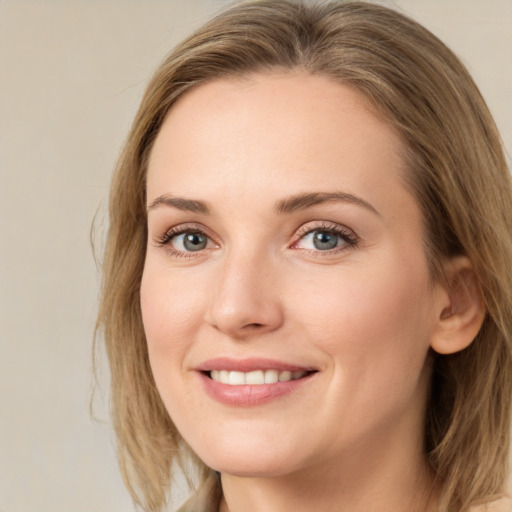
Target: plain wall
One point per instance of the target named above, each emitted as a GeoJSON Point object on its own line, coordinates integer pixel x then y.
{"type": "Point", "coordinates": [71, 75]}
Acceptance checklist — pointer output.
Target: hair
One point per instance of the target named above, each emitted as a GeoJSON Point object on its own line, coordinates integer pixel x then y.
{"type": "Point", "coordinates": [455, 168]}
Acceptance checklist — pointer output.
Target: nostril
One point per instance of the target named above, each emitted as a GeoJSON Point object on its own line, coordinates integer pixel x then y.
{"type": "Point", "coordinates": [253, 326]}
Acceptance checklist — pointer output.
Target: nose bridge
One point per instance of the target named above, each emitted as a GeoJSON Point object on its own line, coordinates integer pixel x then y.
{"type": "Point", "coordinates": [245, 299]}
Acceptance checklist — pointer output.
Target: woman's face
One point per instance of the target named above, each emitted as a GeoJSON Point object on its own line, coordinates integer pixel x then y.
{"type": "Point", "coordinates": [283, 245]}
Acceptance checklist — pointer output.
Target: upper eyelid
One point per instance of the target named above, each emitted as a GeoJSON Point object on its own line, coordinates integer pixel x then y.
{"type": "Point", "coordinates": [188, 226]}
{"type": "Point", "coordinates": [164, 236]}
{"type": "Point", "coordinates": [325, 225]}
{"type": "Point", "coordinates": [319, 224]}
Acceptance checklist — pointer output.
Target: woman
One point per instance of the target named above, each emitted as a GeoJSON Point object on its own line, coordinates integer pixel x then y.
{"type": "Point", "coordinates": [307, 288]}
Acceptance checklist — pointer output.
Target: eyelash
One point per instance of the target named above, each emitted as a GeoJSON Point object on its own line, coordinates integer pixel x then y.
{"type": "Point", "coordinates": [348, 237]}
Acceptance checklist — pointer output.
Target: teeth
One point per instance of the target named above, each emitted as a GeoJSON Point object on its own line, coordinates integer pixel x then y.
{"type": "Point", "coordinates": [236, 378]}
{"type": "Point", "coordinates": [271, 376]}
{"type": "Point", "coordinates": [256, 377]}
{"type": "Point", "coordinates": [284, 376]}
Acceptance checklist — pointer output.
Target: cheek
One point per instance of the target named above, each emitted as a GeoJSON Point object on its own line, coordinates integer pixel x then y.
{"type": "Point", "coordinates": [171, 313]}
{"type": "Point", "coordinates": [375, 321]}
{"type": "Point", "coordinates": [375, 331]}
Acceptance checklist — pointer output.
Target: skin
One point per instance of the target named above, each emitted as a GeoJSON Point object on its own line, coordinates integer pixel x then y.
{"type": "Point", "coordinates": [364, 315]}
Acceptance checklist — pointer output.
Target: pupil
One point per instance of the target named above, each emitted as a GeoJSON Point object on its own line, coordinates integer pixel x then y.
{"type": "Point", "coordinates": [324, 240]}
{"type": "Point", "coordinates": [194, 241]}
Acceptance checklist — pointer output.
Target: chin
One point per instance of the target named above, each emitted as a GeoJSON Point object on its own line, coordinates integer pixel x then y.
{"type": "Point", "coordinates": [253, 469]}
{"type": "Point", "coordinates": [259, 460]}
{"type": "Point", "coordinates": [246, 445]}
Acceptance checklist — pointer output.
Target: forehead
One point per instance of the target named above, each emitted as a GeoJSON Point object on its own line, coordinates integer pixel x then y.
{"type": "Point", "coordinates": [273, 134]}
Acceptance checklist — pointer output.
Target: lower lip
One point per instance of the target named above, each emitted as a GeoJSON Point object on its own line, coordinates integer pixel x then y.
{"type": "Point", "coordinates": [248, 395]}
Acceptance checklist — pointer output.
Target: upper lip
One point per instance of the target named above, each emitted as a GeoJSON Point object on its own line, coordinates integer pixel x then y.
{"type": "Point", "coordinates": [250, 364]}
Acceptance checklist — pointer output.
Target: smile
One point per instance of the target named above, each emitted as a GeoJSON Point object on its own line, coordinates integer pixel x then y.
{"type": "Point", "coordinates": [257, 377]}
{"type": "Point", "coordinates": [252, 382]}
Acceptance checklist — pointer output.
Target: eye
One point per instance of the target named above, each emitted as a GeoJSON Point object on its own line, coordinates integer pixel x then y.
{"type": "Point", "coordinates": [325, 238]}
{"type": "Point", "coordinates": [189, 241]}
{"type": "Point", "coordinates": [184, 240]}
{"type": "Point", "coordinates": [321, 240]}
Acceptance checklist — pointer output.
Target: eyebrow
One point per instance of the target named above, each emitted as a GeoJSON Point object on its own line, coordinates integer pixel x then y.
{"type": "Point", "coordinates": [304, 201]}
{"type": "Point", "coordinates": [284, 206]}
{"type": "Point", "coordinates": [188, 205]}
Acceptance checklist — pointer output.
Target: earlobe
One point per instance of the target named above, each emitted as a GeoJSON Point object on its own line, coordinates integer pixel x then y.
{"type": "Point", "coordinates": [461, 309]}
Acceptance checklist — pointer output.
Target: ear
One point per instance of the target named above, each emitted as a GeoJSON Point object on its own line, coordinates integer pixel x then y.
{"type": "Point", "coordinates": [461, 309]}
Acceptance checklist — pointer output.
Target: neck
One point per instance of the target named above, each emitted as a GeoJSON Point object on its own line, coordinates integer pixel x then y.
{"type": "Point", "coordinates": [389, 477]}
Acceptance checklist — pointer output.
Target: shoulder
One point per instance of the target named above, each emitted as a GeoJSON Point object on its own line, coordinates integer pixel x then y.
{"type": "Point", "coordinates": [502, 505]}
{"type": "Point", "coordinates": [206, 498]}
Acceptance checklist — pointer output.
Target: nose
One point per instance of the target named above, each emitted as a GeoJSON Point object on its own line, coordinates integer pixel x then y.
{"type": "Point", "coordinates": [245, 298]}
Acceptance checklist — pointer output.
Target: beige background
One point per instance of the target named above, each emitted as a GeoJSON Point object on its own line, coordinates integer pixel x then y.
{"type": "Point", "coordinates": [71, 74]}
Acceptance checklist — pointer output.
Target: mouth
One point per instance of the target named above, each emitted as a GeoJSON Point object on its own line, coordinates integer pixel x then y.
{"type": "Point", "coordinates": [252, 382]}
{"type": "Point", "coordinates": [255, 377]}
